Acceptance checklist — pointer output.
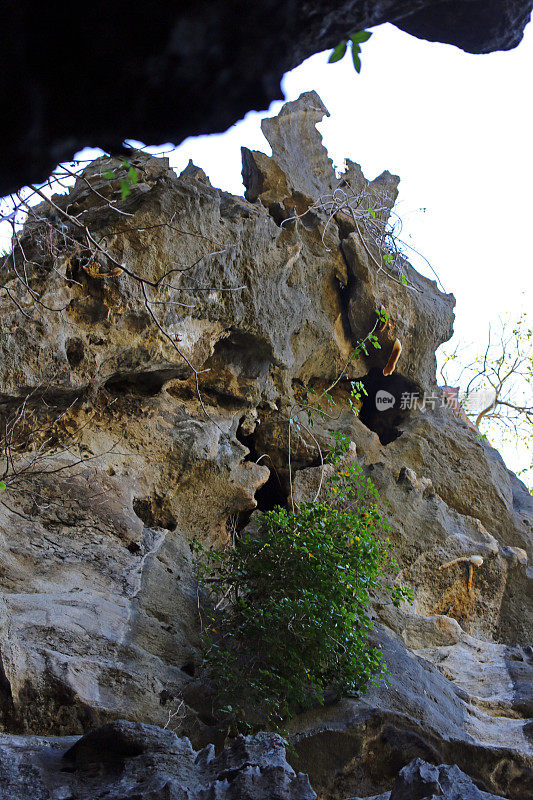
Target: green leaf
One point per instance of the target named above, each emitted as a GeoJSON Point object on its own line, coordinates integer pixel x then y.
{"type": "Point", "coordinates": [337, 52]}
{"type": "Point", "coordinates": [360, 36]}
{"type": "Point", "coordinates": [404, 280]}
{"type": "Point", "coordinates": [356, 62]}
{"type": "Point", "coordinates": [125, 189]}
{"type": "Point", "coordinates": [108, 174]}
{"type": "Point", "coordinates": [372, 213]}
{"type": "Point", "coordinates": [3, 487]}
{"type": "Point", "coordinates": [133, 175]}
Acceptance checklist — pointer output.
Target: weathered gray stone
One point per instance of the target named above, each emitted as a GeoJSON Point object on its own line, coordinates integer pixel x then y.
{"type": "Point", "coordinates": [419, 780]}
{"type": "Point", "coordinates": [358, 746]}
{"type": "Point", "coordinates": [141, 762]}
{"type": "Point", "coordinates": [422, 781]}
{"type": "Point", "coordinates": [459, 638]}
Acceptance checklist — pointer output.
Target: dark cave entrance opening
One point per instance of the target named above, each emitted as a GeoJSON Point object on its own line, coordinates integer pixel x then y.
{"type": "Point", "coordinates": [274, 492]}
{"type": "Point", "coordinates": [383, 408]}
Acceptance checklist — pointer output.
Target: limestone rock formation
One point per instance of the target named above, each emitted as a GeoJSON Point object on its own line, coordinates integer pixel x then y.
{"type": "Point", "coordinates": [422, 781]}
{"type": "Point", "coordinates": [162, 73]}
{"type": "Point", "coordinates": [129, 761]}
{"type": "Point", "coordinates": [154, 351]}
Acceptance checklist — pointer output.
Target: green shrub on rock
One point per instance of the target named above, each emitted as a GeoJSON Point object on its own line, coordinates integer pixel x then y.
{"type": "Point", "coordinates": [290, 622]}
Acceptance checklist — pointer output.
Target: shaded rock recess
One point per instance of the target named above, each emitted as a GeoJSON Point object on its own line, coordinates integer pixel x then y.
{"type": "Point", "coordinates": [161, 72]}
{"type": "Point", "coordinates": [147, 412]}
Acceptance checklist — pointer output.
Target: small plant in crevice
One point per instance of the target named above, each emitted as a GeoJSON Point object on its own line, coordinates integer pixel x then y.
{"type": "Point", "coordinates": [289, 620]}
{"type": "Point", "coordinates": [321, 403]}
{"type": "Point", "coordinates": [131, 178]}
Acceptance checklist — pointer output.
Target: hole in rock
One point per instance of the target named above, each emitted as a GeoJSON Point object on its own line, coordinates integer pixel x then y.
{"type": "Point", "coordinates": [189, 668]}
{"type": "Point", "coordinates": [237, 368]}
{"type": "Point", "coordinates": [7, 708]}
{"type": "Point", "coordinates": [248, 354]}
{"type": "Point", "coordinates": [248, 440]}
{"type": "Point", "coordinates": [146, 382]}
{"type": "Point", "coordinates": [165, 696]}
{"type": "Point", "coordinates": [273, 493]}
{"type": "Point", "coordinates": [346, 291]}
{"type": "Point", "coordinates": [90, 311]}
{"type": "Point", "coordinates": [381, 409]}
{"type": "Point", "coordinates": [154, 513]}
{"type": "Point", "coordinates": [75, 351]}
{"type": "Point", "coordinates": [278, 213]}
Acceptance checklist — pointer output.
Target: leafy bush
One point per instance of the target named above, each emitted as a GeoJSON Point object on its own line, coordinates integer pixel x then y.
{"type": "Point", "coordinates": [290, 622]}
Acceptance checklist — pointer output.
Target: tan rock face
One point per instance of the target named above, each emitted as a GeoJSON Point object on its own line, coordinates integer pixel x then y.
{"type": "Point", "coordinates": [127, 455]}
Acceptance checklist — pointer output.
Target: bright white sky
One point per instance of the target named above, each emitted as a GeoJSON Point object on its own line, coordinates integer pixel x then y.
{"type": "Point", "coordinates": [457, 128]}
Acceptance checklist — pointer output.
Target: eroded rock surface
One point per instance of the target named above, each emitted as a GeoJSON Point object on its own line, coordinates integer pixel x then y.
{"type": "Point", "coordinates": [422, 781]}
{"type": "Point", "coordinates": [158, 412]}
{"type": "Point", "coordinates": [140, 762]}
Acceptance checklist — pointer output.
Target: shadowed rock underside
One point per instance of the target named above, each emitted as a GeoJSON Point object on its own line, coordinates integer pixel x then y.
{"type": "Point", "coordinates": [95, 75]}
